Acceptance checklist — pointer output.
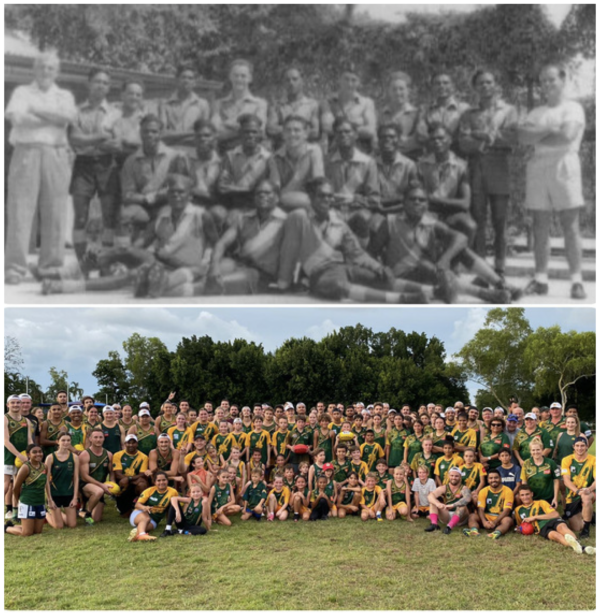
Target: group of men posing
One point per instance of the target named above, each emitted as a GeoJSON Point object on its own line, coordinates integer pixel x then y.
{"type": "Point", "coordinates": [453, 466]}
{"type": "Point", "coordinates": [243, 196]}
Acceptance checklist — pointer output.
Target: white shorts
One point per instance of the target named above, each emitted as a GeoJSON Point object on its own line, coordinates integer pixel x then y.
{"type": "Point", "coordinates": [10, 470]}
{"type": "Point", "coordinates": [26, 511]}
{"type": "Point", "coordinates": [135, 513]}
{"type": "Point", "coordinates": [554, 183]}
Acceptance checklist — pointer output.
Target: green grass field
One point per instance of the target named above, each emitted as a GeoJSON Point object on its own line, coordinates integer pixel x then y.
{"type": "Point", "coordinates": [325, 565]}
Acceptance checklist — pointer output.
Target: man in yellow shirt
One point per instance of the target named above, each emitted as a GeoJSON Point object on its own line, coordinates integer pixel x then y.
{"type": "Point", "coordinates": [131, 473]}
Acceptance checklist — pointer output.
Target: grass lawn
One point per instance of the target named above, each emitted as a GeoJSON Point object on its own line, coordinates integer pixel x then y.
{"type": "Point", "coordinates": [328, 565]}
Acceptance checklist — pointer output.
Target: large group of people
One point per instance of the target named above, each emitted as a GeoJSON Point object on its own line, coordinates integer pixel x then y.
{"type": "Point", "coordinates": [492, 471]}
{"type": "Point", "coordinates": [241, 195]}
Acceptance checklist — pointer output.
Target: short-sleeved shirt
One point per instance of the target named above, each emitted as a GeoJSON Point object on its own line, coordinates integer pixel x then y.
{"type": "Point", "coordinates": [208, 429]}
{"type": "Point", "coordinates": [180, 115]}
{"type": "Point", "coordinates": [143, 174]}
{"type": "Point", "coordinates": [406, 120]}
{"type": "Point", "coordinates": [255, 493]}
{"type": "Point", "coordinates": [370, 453]}
{"type": "Point", "coordinates": [282, 497]}
{"type": "Point", "coordinates": [158, 501]}
{"type": "Point", "coordinates": [356, 176]}
{"type": "Point", "coordinates": [127, 127]}
{"type": "Point", "coordinates": [130, 465]}
{"type": "Point", "coordinates": [510, 476]}
{"type": "Point", "coordinates": [465, 438]}
{"type": "Point", "coordinates": [423, 490]}
{"type": "Point", "coordinates": [229, 110]}
{"type": "Point", "coordinates": [471, 477]}
{"type": "Point", "coordinates": [94, 119]}
{"type": "Point", "coordinates": [443, 179]}
{"type": "Point", "coordinates": [357, 110]}
{"type": "Point", "coordinates": [369, 498]}
{"type": "Point", "coordinates": [540, 478]}
{"type": "Point", "coordinates": [523, 439]}
{"type": "Point", "coordinates": [554, 117]}
{"type": "Point", "coordinates": [449, 115]}
{"type": "Point", "coordinates": [179, 437]}
{"type": "Point", "coordinates": [206, 173]}
{"type": "Point", "coordinates": [581, 473]}
{"type": "Point", "coordinates": [492, 445]}
{"type": "Point", "coordinates": [289, 174]}
{"type": "Point", "coordinates": [419, 460]}
{"type": "Point", "coordinates": [492, 120]}
{"type": "Point", "coordinates": [242, 170]}
{"type": "Point", "coordinates": [305, 107]}
{"type": "Point", "coordinates": [442, 465]}
{"type": "Point", "coordinates": [395, 178]}
{"type": "Point", "coordinates": [28, 129]}
{"type": "Point", "coordinates": [537, 507]}
{"type": "Point", "coordinates": [495, 502]}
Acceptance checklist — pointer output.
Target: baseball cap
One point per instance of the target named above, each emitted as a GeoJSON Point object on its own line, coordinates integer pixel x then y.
{"type": "Point", "coordinates": [144, 404]}
{"type": "Point", "coordinates": [73, 408]}
{"type": "Point", "coordinates": [288, 405]}
{"type": "Point", "coordinates": [236, 420]}
{"type": "Point", "coordinates": [531, 415]}
{"type": "Point", "coordinates": [200, 437]}
{"type": "Point", "coordinates": [24, 396]}
{"type": "Point", "coordinates": [392, 411]}
{"type": "Point", "coordinates": [487, 408]}
{"type": "Point", "coordinates": [499, 408]}
{"type": "Point", "coordinates": [163, 436]}
{"type": "Point", "coordinates": [513, 417]}
{"type": "Point", "coordinates": [13, 398]}
{"type": "Point", "coordinates": [442, 415]}
{"type": "Point", "coordinates": [450, 409]}
{"type": "Point", "coordinates": [455, 470]}
{"type": "Point", "coordinates": [144, 412]}
{"type": "Point", "coordinates": [555, 404]}
{"type": "Point", "coordinates": [130, 437]}
{"type": "Point", "coordinates": [107, 409]}
{"type": "Point", "coordinates": [544, 408]}
{"type": "Point", "coordinates": [327, 466]}
{"type": "Point", "coordinates": [370, 407]}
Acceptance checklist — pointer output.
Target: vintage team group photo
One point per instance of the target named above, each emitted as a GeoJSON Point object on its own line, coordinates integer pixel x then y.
{"type": "Point", "coordinates": [299, 307]}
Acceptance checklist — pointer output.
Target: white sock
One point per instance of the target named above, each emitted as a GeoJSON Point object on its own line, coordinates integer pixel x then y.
{"type": "Point", "coordinates": [576, 278]}
{"type": "Point", "coordinates": [168, 528]}
{"type": "Point", "coordinates": [542, 278]}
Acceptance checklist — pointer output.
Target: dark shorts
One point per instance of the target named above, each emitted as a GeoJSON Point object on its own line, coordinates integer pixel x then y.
{"type": "Point", "coordinates": [551, 527]}
{"type": "Point", "coordinates": [62, 501]}
{"type": "Point", "coordinates": [574, 508]}
{"type": "Point", "coordinates": [27, 511]}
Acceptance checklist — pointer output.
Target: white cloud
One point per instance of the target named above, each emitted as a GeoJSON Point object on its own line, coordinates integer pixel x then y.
{"type": "Point", "coordinates": [318, 332]}
{"type": "Point", "coordinates": [465, 328]}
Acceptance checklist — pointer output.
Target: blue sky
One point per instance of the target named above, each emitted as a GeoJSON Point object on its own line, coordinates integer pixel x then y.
{"type": "Point", "coordinates": [75, 339]}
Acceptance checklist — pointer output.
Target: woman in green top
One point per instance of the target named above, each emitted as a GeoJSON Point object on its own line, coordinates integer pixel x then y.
{"type": "Point", "coordinates": [167, 417]}
{"type": "Point", "coordinates": [414, 442]}
{"type": "Point", "coordinates": [492, 443]}
{"type": "Point", "coordinates": [396, 437]}
{"type": "Point", "coordinates": [29, 491]}
{"type": "Point", "coordinates": [63, 486]}
{"type": "Point", "coordinates": [439, 436]}
{"type": "Point", "coordinates": [50, 429]}
{"type": "Point", "coordinates": [541, 474]}
{"type": "Point", "coordinates": [565, 440]}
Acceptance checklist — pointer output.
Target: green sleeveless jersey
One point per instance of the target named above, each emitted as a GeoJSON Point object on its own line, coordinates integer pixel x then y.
{"type": "Point", "coordinates": [53, 432]}
{"type": "Point", "coordinates": [63, 475]}
{"type": "Point", "coordinates": [127, 426]}
{"type": "Point", "coordinates": [398, 493]}
{"type": "Point", "coordinates": [380, 438]}
{"type": "Point", "coordinates": [112, 438]}
{"type": "Point", "coordinates": [33, 491]}
{"type": "Point", "coordinates": [382, 480]}
{"type": "Point", "coordinates": [98, 465]}
{"type": "Point", "coordinates": [450, 497]}
{"type": "Point", "coordinates": [164, 424]}
{"type": "Point", "coordinates": [193, 513]}
{"type": "Point", "coordinates": [17, 434]}
{"type": "Point", "coordinates": [414, 446]}
{"type": "Point", "coordinates": [222, 495]}
{"type": "Point", "coordinates": [164, 463]}
{"type": "Point", "coordinates": [146, 440]}
{"type": "Point", "coordinates": [348, 497]}
{"type": "Point", "coordinates": [77, 434]}
{"type": "Point", "coordinates": [564, 448]}
{"type": "Point", "coordinates": [340, 471]}
{"type": "Point", "coordinates": [396, 439]}
{"type": "Point", "coordinates": [326, 444]}
{"type": "Point", "coordinates": [318, 472]}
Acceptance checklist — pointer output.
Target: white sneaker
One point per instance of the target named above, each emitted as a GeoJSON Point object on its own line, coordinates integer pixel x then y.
{"type": "Point", "coordinates": [590, 550]}
{"type": "Point", "coordinates": [8, 516]}
{"type": "Point", "coordinates": [132, 535]}
{"type": "Point", "coordinates": [574, 544]}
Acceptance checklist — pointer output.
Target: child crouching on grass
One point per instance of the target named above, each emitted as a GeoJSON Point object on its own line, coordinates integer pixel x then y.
{"type": "Point", "coordinates": [348, 501]}
{"type": "Point", "coordinates": [370, 502]}
{"type": "Point", "coordinates": [222, 500]}
{"type": "Point", "coordinates": [255, 496]}
{"type": "Point", "coordinates": [320, 502]}
{"type": "Point", "coordinates": [299, 502]}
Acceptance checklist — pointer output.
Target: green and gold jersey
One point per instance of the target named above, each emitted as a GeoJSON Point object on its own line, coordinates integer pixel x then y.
{"type": "Point", "coordinates": [381, 438]}
{"type": "Point", "coordinates": [282, 497]}
{"type": "Point", "coordinates": [221, 497]}
{"type": "Point", "coordinates": [238, 439]}
{"type": "Point", "coordinates": [398, 492]}
{"type": "Point", "coordinates": [491, 445]}
{"type": "Point", "coordinates": [523, 439]}
{"type": "Point", "coordinates": [553, 429]}
{"type": "Point", "coordinates": [539, 507]}
{"type": "Point", "coordinates": [330, 489]}
{"type": "Point", "coordinates": [369, 498]}
{"type": "Point", "coordinates": [130, 465]}
{"type": "Point", "coordinates": [180, 437]}
{"type": "Point", "coordinates": [255, 493]}
{"type": "Point", "coordinates": [239, 467]}
{"type": "Point", "coordinates": [471, 477]}
{"type": "Point", "coordinates": [223, 444]}
{"type": "Point", "coordinates": [270, 429]}
{"type": "Point", "coordinates": [280, 440]}
{"type": "Point", "coordinates": [146, 439]}
{"type": "Point", "coordinates": [259, 440]}
{"type": "Point", "coordinates": [414, 446]}
{"type": "Point", "coordinates": [318, 471]}
{"type": "Point", "coordinates": [335, 427]}
{"type": "Point", "coordinates": [17, 434]}
{"type": "Point", "coordinates": [260, 465]}
{"type": "Point", "coordinates": [360, 434]}
{"type": "Point", "coordinates": [450, 496]}
{"type": "Point", "coordinates": [429, 463]}
{"type": "Point", "coordinates": [382, 479]}
{"type": "Point", "coordinates": [360, 468]}
{"type": "Point", "coordinates": [370, 453]}
{"type": "Point", "coordinates": [581, 473]}
{"type": "Point", "coordinates": [164, 424]}
{"type": "Point", "coordinates": [54, 431]}
{"type": "Point", "coordinates": [324, 441]}
{"type": "Point", "coordinates": [341, 471]}
{"type": "Point", "coordinates": [540, 478]}
{"type": "Point", "coordinates": [396, 439]}
{"type": "Point", "coordinates": [494, 502]}
{"type": "Point", "coordinates": [193, 513]}
{"type": "Point", "coordinates": [348, 497]}
{"type": "Point", "coordinates": [164, 461]}
{"type": "Point", "coordinates": [127, 426]}
{"type": "Point", "coordinates": [465, 438]}
{"type": "Point", "coordinates": [33, 491]}
{"type": "Point", "coordinates": [62, 476]}
{"type": "Point", "coordinates": [158, 501]}
{"type": "Point", "coordinates": [78, 434]}
{"type": "Point", "coordinates": [98, 465]}
{"type": "Point", "coordinates": [247, 427]}
{"type": "Point", "coordinates": [208, 430]}
{"type": "Point", "coordinates": [442, 465]}
{"type": "Point", "coordinates": [297, 437]}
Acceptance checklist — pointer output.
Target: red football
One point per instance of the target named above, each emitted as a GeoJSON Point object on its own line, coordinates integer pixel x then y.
{"type": "Point", "coordinates": [526, 528]}
{"type": "Point", "coordinates": [300, 449]}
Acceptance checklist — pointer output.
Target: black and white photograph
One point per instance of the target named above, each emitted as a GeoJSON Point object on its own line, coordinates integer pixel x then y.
{"type": "Point", "coordinates": [300, 154]}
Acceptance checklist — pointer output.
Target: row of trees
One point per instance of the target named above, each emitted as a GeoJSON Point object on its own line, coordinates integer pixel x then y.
{"type": "Point", "coordinates": [506, 357]}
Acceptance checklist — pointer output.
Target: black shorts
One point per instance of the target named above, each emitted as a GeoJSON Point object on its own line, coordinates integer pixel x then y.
{"type": "Point", "coordinates": [62, 501]}
{"type": "Point", "coordinates": [574, 508]}
{"type": "Point", "coordinates": [551, 527]}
